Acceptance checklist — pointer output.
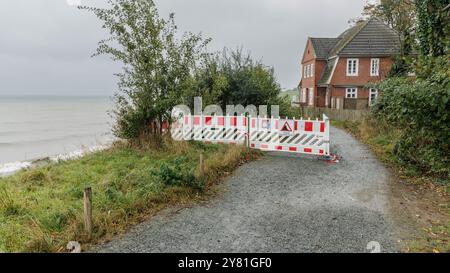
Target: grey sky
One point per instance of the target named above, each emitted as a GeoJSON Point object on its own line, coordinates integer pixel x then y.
{"type": "Point", "coordinates": [45, 45]}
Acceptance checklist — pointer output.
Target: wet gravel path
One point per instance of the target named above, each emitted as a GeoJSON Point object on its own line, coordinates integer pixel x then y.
{"type": "Point", "coordinates": [281, 203]}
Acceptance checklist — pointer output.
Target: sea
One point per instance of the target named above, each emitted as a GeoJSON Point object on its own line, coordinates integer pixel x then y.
{"type": "Point", "coordinates": [32, 128]}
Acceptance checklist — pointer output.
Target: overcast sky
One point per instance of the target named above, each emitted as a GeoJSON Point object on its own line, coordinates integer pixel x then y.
{"type": "Point", "coordinates": [45, 45]}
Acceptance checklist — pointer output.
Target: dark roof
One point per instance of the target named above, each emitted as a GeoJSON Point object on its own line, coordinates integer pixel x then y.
{"type": "Point", "coordinates": [367, 38]}
{"type": "Point", "coordinates": [346, 37]}
{"type": "Point", "coordinates": [326, 75]}
{"type": "Point", "coordinates": [322, 46]}
{"type": "Point", "coordinates": [373, 39]}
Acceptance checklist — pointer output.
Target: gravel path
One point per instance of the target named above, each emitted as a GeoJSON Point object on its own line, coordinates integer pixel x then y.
{"type": "Point", "coordinates": [281, 203]}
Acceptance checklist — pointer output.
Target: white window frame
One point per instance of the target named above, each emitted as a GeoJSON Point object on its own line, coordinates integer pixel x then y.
{"type": "Point", "coordinates": [312, 70]}
{"type": "Point", "coordinates": [372, 91]}
{"type": "Point", "coordinates": [311, 97]}
{"type": "Point", "coordinates": [303, 98]}
{"type": "Point", "coordinates": [354, 70]}
{"type": "Point", "coordinates": [304, 71]}
{"type": "Point", "coordinates": [350, 91]}
{"type": "Point", "coordinates": [374, 67]}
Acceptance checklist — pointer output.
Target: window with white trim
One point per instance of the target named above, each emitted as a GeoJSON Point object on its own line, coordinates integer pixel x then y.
{"type": "Point", "coordinates": [351, 93]}
{"type": "Point", "coordinates": [303, 99]}
{"type": "Point", "coordinates": [304, 71]}
{"type": "Point", "coordinates": [352, 67]}
{"type": "Point", "coordinates": [374, 67]}
{"type": "Point", "coordinates": [311, 97]}
{"type": "Point", "coordinates": [312, 70]}
{"type": "Point", "coordinates": [373, 95]}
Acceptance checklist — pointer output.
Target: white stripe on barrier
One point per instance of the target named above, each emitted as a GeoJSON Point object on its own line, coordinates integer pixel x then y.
{"type": "Point", "coordinates": [270, 134]}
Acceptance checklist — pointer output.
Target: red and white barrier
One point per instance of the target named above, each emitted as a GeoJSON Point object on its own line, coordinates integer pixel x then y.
{"type": "Point", "coordinates": [290, 135]}
{"type": "Point", "coordinates": [269, 134]}
{"type": "Point", "coordinates": [215, 129]}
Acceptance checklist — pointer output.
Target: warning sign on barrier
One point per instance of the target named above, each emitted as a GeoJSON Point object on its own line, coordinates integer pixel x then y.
{"type": "Point", "coordinates": [286, 129]}
{"type": "Point", "coordinates": [269, 134]}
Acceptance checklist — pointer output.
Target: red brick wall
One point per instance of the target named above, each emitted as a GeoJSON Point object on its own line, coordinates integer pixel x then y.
{"type": "Point", "coordinates": [319, 66]}
{"type": "Point", "coordinates": [308, 55]}
{"type": "Point", "coordinates": [321, 94]}
{"type": "Point", "coordinates": [340, 92]}
{"type": "Point", "coordinates": [308, 58]}
{"type": "Point", "coordinates": [340, 74]}
{"type": "Point", "coordinates": [318, 70]}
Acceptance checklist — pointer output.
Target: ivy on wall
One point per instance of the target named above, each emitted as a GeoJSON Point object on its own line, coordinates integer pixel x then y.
{"type": "Point", "coordinates": [433, 27]}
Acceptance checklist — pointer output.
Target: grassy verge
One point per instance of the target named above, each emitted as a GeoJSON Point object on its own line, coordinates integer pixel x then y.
{"type": "Point", "coordinates": [423, 197]}
{"type": "Point", "coordinates": [41, 210]}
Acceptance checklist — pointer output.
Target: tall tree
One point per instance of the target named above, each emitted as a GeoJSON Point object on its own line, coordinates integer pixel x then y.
{"type": "Point", "coordinates": [157, 66]}
{"type": "Point", "coordinates": [433, 29]}
{"type": "Point", "coordinates": [397, 14]}
{"type": "Point", "coordinates": [400, 16]}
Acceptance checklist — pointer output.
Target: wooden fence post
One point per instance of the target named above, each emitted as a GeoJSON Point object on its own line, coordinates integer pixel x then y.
{"type": "Point", "coordinates": [88, 212]}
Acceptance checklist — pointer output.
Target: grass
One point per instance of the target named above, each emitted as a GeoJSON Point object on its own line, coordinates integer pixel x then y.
{"type": "Point", "coordinates": [434, 232]}
{"type": "Point", "coordinates": [41, 209]}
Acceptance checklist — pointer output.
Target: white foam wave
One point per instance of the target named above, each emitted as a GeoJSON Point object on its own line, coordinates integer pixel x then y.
{"type": "Point", "coordinates": [10, 168]}
{"type": "Point", "coordinates": [13, 167]}
{"type": "Point", "coordinates": [78, 153]}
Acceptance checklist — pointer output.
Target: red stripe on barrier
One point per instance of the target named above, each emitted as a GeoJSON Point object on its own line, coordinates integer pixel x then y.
{"type": "Point", "coordinates": [307, 150]}
{"type": "Point", "coordinates": [186, 120]}
{"type": "Point", "coordinates": [196, 120]}
{"type": "Point", "coordinates": [278, 148]}
{"type": "Point", "coordinates": [252, 145]}
{"type": "Point", "coordinates": [322, 127]}
{"type": "Point", "coordinates": [233, 121]}
{"type": "Point", "coordinates": [208, 120]}
{"type": "Point", "coordinates": [220, 121]}
{"type": "Point", "coordinates": [276, 124]}
{"type": "Point", "coordinates": [321, 152]}
{"type": "Point", "coordinates": [244, 122]}
{"type": "Point", "coordinates": [295, 125]}
{"type": "Point", "coordinates": [293, 149]}
{"type": "Point", "coordinates": [264, 146]}
{"type": "Point", "coordinates": [308, 126]}
{"type": "Point", "coordinates": [253, 123]}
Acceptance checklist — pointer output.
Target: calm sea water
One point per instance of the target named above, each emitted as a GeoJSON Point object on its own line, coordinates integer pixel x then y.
{"type": "Point", "coordinates": [34, 127]}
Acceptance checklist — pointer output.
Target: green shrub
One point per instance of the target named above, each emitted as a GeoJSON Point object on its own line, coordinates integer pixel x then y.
{"type": "Point", "coordinates": [177, 173]}
{"type": "Point", "coordinates": [421, 109]}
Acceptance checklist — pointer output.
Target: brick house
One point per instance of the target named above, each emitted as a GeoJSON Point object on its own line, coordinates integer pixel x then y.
{"type": "Point", "coordinates": [335, 70]}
